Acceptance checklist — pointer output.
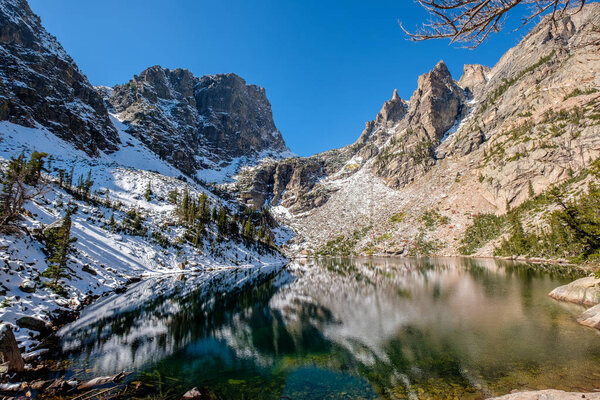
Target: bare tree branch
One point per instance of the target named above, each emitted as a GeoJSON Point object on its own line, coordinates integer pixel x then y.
{"type": "Point", "coordinates": [472, 21]}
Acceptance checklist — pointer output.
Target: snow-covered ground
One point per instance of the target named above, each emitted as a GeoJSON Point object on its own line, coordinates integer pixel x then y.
{"type": "Point", "coordinates": [103, 259]}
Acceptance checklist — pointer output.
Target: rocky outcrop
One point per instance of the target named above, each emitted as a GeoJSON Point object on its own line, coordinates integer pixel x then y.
{"type": "Point", "coordinates": [435, 107]}
{"type": "Point", "coordinates": [40, 84]}
{"type": "Point", "coordinates": [197, 123]}
{"type": "Point", "coordinates": [392, 111]}
{"type": "Point", "coordinates": [584, 291]}
{"type": "Point", "coordinates": [474, 79]}
{"type": "Point", "coordinates": [9, 351]}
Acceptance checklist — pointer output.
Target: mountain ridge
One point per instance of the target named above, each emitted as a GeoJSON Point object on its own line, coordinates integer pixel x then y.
{"type": "Point", "coordinates": [462, 150]}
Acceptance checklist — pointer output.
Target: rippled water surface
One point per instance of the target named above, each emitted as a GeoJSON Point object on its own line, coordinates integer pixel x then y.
{"type": "Point", "coordinates": [343, 329]}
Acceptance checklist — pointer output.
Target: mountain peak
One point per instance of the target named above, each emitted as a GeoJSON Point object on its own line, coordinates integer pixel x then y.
{"type": "Point", "coordinates": [45, 86]}
{"type": "Point", "coordinates": [198, 123]}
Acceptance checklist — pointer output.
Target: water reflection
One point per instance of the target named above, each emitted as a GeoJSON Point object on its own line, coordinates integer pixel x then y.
{"type": "Point", "coordinates": [340, 328]}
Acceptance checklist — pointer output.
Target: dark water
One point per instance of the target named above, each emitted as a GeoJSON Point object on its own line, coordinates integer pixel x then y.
{"type": "Point", "coordinates": [343, 329]}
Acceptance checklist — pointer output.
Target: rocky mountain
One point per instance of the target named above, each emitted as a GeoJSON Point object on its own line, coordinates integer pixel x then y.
{"type": "Point", "coordinates": [116, 187]}
{"type": "Point", "coordinates": [423, 168]}
{"type": "Point", "coordinates": [206, 127]}
{"type": "Point", "coordinates": [41, 85]}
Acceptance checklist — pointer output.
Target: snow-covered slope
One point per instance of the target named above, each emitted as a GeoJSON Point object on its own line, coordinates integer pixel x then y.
{"type": "Point", "coordinates": [105, 259]}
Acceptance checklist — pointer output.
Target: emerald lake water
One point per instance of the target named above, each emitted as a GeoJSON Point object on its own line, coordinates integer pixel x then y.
{"type": "Point", "coordinates": [372, 328]}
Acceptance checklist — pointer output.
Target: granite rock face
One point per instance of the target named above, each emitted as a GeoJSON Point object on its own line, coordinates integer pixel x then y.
{"type": "Point", "coordinates": [40, 84]}
{"type": "Point", "coordinates": [474, 79]}
{"type": "Point", "coordinates": [197, 123]}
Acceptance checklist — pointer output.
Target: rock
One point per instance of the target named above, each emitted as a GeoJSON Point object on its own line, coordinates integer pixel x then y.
{"type": "Point", "coordinates": [547, 395]}
{"type": "Point", "coordinates": [584, 291]}
{"type": "Point", "coordinates": [591, 317]}
{"type": "Point", "coordinates": [34, 324]}
{"type": "Point", "coordinates": [392, 111]}
{"type": "Point", "coordinates": [9, 350]}
{"type": "Point", "coordinates": [199, 394]}
{"type": "Point", "coordinates": [27, 286]}
{"type": "Point", "coordinates": [61, 316]}
{"type": "Point", "coordinates": [474, 79]}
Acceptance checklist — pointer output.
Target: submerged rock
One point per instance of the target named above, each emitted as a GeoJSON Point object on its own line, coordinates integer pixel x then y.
{"type": "Point", "coordinates": [198, 394]}
{"type": "Point", "coordinates": [584, 291]}
{"type": "Point", "coordinates": [9, 350]}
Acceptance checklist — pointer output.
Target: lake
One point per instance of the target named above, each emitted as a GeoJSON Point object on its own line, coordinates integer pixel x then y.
{"type": "Point", "coordinates": [361, 328]}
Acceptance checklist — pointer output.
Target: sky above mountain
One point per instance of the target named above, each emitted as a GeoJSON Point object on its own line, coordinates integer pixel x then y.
{"type": "Point", "coordinates": [327, 65]}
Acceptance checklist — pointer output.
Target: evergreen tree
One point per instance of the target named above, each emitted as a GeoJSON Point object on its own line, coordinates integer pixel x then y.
{"type": "Point", "coordinates": [148, 194]}
{"type": "Point", "coordinates": [112, 223]}
{"type": "Point", "coordinates": [173, 195]}
{"type": "Point", "coordinates": [223, 222]}
{"type": "Point", "coordinates": [35, 166]}
{"type": "Point", "coordinates": [58, 243]}
{"type": "Point", "coordinates": [20, 183]}
{"type": "Point", "coordinates": [530, 190]}
{"type": "Point", "coordinates": [87, 185]}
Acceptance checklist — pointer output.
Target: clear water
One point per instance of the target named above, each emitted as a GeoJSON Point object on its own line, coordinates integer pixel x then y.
{"type": "Point", "coordinates": [343, 329]}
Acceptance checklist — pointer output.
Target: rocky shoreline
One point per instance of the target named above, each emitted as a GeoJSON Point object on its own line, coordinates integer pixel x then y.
{"type": "Point", "coordinates": [584, 291]}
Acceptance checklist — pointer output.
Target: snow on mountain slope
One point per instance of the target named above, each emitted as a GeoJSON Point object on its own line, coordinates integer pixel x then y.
{"type": "Point", "coordinates": [105, 259]}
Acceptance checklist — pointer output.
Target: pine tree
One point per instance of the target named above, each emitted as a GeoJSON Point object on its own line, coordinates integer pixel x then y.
{"type": "Point", "coordinates": [20, 183]}
{"type": "Point", "coordinates": [173, 195]}
{"type": "Point", "coordinates": [87, 185]}
{"type": "Point", "coordinates": [35, 166]}
{"type": "Point", "coordinates": [249, 229]}
{"type": "Point", "coordinates": [148, 194]}
{"type": "Point", "coordinates": [107, 198]}
{"type": "Point", "coordinates": [112, 223]}
{"type": "Point", "coordinates": [69, 178]}
{"type": "Point", "coordinates": [223, 222]}
{"type": "Point", "coordinates": [530, 190]}
{"type": "Point", "coordinates": [58, 246]}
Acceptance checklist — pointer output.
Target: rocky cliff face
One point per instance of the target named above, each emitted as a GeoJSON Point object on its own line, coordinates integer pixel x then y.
{"type": "Point", "coordinates": [196, 124]}
{"type": "Point", "coordinates": [40, 84]}
{"type": "Point", "coordinates": [422, 168]}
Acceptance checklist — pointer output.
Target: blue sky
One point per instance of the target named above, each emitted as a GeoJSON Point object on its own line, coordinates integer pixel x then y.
{"type": "Point", "coordinates": [327, 65]}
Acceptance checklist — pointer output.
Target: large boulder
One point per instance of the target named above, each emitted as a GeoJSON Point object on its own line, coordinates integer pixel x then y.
{"type": "Point", "coordinates": [548, 395]}
{"type": "Point", "coordinates": [9, 350]}
{"type": "Point", "coordinates": [33, 324]}
{"type": "Point", "coordinates": [591, 317]}
{"type": "Point", "coordinates": [584, 291]}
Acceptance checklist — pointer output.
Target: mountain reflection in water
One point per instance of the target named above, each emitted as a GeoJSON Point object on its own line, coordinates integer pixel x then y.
{"type": "Point", "coordinates": [344, 328]}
